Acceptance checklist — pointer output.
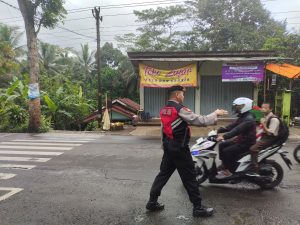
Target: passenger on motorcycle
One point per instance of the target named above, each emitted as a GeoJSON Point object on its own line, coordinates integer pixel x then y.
{"type": "Point", "coordinates": [270, 125]}
{"type": "Point", "coordinates": [239, 136]}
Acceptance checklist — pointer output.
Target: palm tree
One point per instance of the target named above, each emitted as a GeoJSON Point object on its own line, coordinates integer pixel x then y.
{"type": "Point", "coordinates": [130, 78]}
{"type": "Point", "coordinates": [48, 55]}
{"type": "Point", "coordinates": [53, 58]}
{"type": "Point", "coordinates": [87, 60]}
{"type": "Point", "coordinates": [11, 36]}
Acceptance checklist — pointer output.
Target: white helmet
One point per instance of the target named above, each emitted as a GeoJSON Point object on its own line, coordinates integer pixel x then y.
{"type": "Point", "coordinates": [247, 102]}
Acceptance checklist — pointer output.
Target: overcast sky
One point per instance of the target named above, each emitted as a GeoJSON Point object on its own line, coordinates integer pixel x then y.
{"type": "Point", "coordinates": [83, 22]}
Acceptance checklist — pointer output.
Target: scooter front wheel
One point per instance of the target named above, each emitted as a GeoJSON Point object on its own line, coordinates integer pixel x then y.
{"type": "Point", "coordinates": [201, 173]}
{"type": "Point", "coordinates": [297, 153]}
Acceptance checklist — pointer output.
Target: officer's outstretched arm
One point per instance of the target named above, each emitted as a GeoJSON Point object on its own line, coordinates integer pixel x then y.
{"type": "Point", "coordinates": [198, 120]}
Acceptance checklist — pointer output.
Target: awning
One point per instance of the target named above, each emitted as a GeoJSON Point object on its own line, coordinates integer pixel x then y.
{"type": "Point", "coordinates": [286, 70]}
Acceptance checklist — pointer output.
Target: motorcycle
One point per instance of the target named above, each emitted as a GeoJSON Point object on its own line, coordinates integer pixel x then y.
{"type": "Point", "coordinates": [296, 153]}
{"type": "Point", "coordinates": [270, 172]}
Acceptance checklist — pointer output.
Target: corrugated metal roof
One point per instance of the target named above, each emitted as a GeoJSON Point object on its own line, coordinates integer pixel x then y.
{"type": "Point", "coordinates": [222, 59]}
{"type": "Point", "coordinates": [200, 54]}
{"type": "Point", "coordinates": [130, 103]}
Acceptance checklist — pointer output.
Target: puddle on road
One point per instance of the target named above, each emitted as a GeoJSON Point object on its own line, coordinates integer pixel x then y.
{"type": "Point", "coordinates": [138, 218]}
{"type": "Point", "coordinates": [182, 217]}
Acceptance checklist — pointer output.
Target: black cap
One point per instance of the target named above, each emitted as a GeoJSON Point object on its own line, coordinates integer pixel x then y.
{"type": "Point", "coordinates": [176, 88]}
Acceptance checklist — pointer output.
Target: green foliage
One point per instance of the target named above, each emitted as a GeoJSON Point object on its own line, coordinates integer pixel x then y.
{"type": "Point", "coordinates": [117, 74]}
{"type": "Point", "coordinates": [158, 31]}
{"type": "Point", "coordinates": [11, 36]}
{"type": "Point", "coordinates": [45, 124]}
{"type": "Point", "coordinates": [50, 11]}
{"type": "Point", "coordinates": [67, 107]}
{"type": "Point", "coordinates": [8, 66]}
{"type": "Point", "coordinates": [13, 103]}
{"type": "Point", "coordinates": [203, 25]}
{"type": "Point", "coordinates": [286, 44]}
{"type": "Point", "coordinates": [86, 61]}
{"type": "Point", "coordinates": [92, 126]}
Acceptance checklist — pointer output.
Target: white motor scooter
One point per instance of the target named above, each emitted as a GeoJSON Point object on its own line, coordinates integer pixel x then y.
{"type": "Point", "coordinates": [270, 172]}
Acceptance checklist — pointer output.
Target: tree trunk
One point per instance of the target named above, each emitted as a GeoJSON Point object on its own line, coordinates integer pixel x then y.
{"type": "Point", "coordinates": [27, 9]}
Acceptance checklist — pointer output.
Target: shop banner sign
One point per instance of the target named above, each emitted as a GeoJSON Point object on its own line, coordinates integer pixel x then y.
{"type": "Point", "coordinates": [152, 77]}
{"type": "Point", "coordinates": [237, 72]}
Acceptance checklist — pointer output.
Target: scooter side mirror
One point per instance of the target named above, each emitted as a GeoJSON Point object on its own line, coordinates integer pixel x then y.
{"type": "Point", "coordinates": [212, 138]}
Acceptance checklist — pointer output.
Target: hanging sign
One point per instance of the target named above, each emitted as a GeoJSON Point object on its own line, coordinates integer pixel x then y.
{"type": "Point", "coordinates": [152, 77]}
{"type": "Point", "coordinates": [237, 72]}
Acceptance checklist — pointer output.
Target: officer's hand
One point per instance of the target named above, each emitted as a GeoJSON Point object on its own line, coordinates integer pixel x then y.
{"type": "Point", "coordinates": [220, 138]}
{"type": "Point", "coordinates": [221, 112]}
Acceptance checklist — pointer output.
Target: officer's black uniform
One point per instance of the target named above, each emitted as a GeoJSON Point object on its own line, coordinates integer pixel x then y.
{"type": "Point", "coordinates": [176, 155]}
{"type": "Point", "coordinates": [175, 137]}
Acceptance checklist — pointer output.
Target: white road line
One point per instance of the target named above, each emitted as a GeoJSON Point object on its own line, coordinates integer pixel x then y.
{"type": "Point", "coordinates": [4, 135]}
{"type": "Point", "coordinates": [29, 153]}
{"type": "Point", "coordinates": [24, 159]}
{"type": "Point", "coordinates": [35, 147]}
{"type": "Point", "coordinates": [17, 166]}
{"type": "Point", "coordinates": [57, 141]}
{"type": "Point", "coordinates": [64, 135]}
{"type": "Point", "coordinates": [6, 176]}
{"type": "Point", "coordinates": [68, 138]}
{"type": "Point", "coordinates": [39, 144]}
{"type": "Point", "coordinates": [11, 192]}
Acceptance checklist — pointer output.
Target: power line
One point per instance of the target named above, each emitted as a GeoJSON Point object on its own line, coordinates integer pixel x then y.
{"type": "Point", "coordinates": [108, 15]}
{"type": "Point", "coordinates": [127, 5]}
{"type": "Point", "coordinates": [112, 31]}
{"type": "Point", "coordinates": [63, 28]}
{"type": "Point", "coordinates": [12, 6]}
{"type": "Point", "coordinates": [9, 18]}
{"type": "Point", "coordinates": [83, 18]}
{"type": "Point", "coordinates": [74, 32]}
{"type": "Point", "coordinates": [285, 12]}
{"type": "Point", "coordinates": [93, 29]}
{"type": "Point", "coordinates": [118, 14]}
{"type": "Point", "coordinates": [66, 37]}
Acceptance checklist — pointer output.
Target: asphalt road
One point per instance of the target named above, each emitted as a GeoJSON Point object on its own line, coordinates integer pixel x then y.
{"type": "Point", "coordinates": [87, 179]}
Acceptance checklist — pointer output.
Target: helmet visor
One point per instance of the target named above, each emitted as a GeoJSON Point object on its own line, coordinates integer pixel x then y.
{"type": "Point", "coordinates": [236, 109]}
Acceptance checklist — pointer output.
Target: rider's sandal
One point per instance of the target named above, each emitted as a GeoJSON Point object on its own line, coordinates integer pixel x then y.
{"type": "Point", "coordinates": [223, 175]}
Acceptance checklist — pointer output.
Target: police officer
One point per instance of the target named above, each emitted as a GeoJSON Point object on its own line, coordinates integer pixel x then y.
{"type": "Point", "coordinates": [175, 139]}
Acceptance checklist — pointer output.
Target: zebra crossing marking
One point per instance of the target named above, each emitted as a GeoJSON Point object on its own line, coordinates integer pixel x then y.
{"type": "Point", "coordinates": [25, 147]}
{"type": "Point", "coordinates": [30, 153]}
{"type": "Point", "coordinates": [57, 141]}
{"type": "Point", "coordinates": [67, 138]}
{"type": "Point", "coordinates": [24, 159]}
{"type": "Point", "coordinates": [39, 144]}
{"type": "Point", "coordinates": [35, 147]}
{"type": "Point", "coordinates": [11, 192]}
{"type": "Point", "coordinates": [6, 176]}
{"type": "Point", "coordinates": [17, 166]}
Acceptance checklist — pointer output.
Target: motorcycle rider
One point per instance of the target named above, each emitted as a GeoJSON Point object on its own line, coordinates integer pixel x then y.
{"type": "Point", "coordinates": [243, 132]}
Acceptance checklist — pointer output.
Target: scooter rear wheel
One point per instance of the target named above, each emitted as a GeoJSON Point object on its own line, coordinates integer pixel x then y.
{"type": "Point", "coordinates": [297, 153]}
{"type": "Point", "coordinates": [276, 177]}
{"type": "Point", "coordinates": [201, 173]}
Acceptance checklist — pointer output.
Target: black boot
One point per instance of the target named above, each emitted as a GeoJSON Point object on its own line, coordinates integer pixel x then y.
{"type": "Point", "coordinates": [154, 206]}
{"type": "Point", "coordinates": [202, 211]}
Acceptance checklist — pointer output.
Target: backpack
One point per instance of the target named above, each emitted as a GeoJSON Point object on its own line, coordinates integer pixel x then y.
{"type": "Point", "coordinates": [283, 132]}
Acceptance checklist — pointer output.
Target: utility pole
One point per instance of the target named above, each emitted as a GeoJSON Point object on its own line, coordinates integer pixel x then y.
{"type": "Point", "coordinates": [96, 14]}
